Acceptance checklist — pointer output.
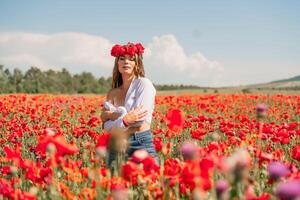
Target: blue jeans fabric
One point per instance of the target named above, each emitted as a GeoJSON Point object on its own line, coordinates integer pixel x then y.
{"type": "Point", "coordinates": [138, 140]}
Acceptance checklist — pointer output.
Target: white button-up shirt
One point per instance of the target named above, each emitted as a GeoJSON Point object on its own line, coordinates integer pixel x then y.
{"type": "Point", "coordinates": [140, 92]}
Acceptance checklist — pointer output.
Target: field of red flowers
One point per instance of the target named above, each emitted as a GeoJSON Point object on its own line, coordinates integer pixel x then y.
{"type": "Point", "coordinates": [211, 146]}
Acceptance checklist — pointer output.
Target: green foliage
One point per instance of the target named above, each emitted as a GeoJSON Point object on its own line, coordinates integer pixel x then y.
{"type": "Point", "coordinates": [176, 87]}
{"type": "Point", "coordinates": [56, 82]}
{"type": "Point", "coordinates": [246, 90]}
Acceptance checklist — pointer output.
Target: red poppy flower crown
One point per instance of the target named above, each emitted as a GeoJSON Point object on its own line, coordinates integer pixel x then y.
{"type": "Point", "coordinates": [130, 49]}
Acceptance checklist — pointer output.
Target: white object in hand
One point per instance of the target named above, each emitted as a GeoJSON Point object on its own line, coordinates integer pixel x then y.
{"type": "Point", "coordinates": [118, 122]}
{"type": "Point", "coordinates": [114, 123]}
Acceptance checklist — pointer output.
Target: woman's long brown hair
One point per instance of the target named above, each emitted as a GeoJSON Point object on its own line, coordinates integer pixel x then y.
{"type": "Point", "coordinates": [117, 80]}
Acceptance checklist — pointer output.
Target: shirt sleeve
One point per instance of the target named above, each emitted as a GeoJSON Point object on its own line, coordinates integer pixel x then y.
{"type": "Point", "coordinates": [145, 95]}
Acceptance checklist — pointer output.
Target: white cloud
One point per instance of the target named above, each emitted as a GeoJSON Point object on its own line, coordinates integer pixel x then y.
{"type": "Point", "coordinates": [167, 62]}
{"type": "Point", "coordinates": [165, 59]}
{"type": "Point", "coordinates": [74, 51]}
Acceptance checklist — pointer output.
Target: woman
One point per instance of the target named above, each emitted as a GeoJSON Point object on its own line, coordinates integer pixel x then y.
{"type": "Point", "coordinates": [136, 93]}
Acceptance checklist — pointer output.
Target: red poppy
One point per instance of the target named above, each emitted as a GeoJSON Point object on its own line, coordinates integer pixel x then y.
{"type": "Point", "coordinates": [130, 172]}
{"type": "Point", "coordinates": [158, 144]}
{"type": "Point", "coordinates": [296, 152]}
{"type": "Point", "coordinates": [175, 119]}
{"type": "Point", "coordinates": [172, 167]}
{"type": "Point", "coordinates": [103, 140]}
{"type": "Point", "coordinates": [60, 143]}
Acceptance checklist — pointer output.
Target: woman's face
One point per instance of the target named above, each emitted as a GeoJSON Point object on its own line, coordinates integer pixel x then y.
{"type": "Point", "coordinates": [126, 64]}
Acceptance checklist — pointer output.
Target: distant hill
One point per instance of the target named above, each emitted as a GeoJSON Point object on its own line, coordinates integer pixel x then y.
{"type": "Point", "coordinates": [296, 78]}
{"type": "Point", "coordinates": [290, 84]}
{"type": "Point", "coordinates": [278, 85]}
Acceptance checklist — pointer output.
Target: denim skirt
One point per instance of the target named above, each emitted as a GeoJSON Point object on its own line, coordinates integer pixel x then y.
{"type": "Point", "coordinates": [138, 140]}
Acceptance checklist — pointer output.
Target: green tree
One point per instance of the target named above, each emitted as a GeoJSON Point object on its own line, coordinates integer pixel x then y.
{"type": "Point", "coordinates": [18, 80]}
{"type": "Point", "coordinates": [66, 80]}
{"type": "Point", "coordinates": [3, 79]}
{"type": "Point", "coordinates": [9, 84]}
{"type": "Point", "coordinates": [34, 81]}
{"type": "Point", "coordinates": [104, 85]}
{"type": "Point", "coordinates": [51, 80]}
{"type": "Point", "coordinates": [85, 83]}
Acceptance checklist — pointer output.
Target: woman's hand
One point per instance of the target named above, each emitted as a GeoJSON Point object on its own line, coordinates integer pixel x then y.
{"type": "Point", "coordinates": [135, 115]}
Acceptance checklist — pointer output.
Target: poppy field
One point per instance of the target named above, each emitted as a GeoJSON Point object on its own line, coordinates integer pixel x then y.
{"type": "Point", "coordinates": [210, 146]}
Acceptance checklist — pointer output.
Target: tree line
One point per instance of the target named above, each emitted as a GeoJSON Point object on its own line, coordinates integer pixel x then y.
{"type": "Point", "coordinates": [36, 81]}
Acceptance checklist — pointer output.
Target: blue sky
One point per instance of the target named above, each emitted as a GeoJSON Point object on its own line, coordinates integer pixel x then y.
{"type": "Point", "coordinates": [252, 41]}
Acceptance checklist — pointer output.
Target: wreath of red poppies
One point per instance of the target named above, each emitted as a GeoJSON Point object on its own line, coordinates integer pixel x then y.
{"type": "Point", "coordinates": [130, 49]}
